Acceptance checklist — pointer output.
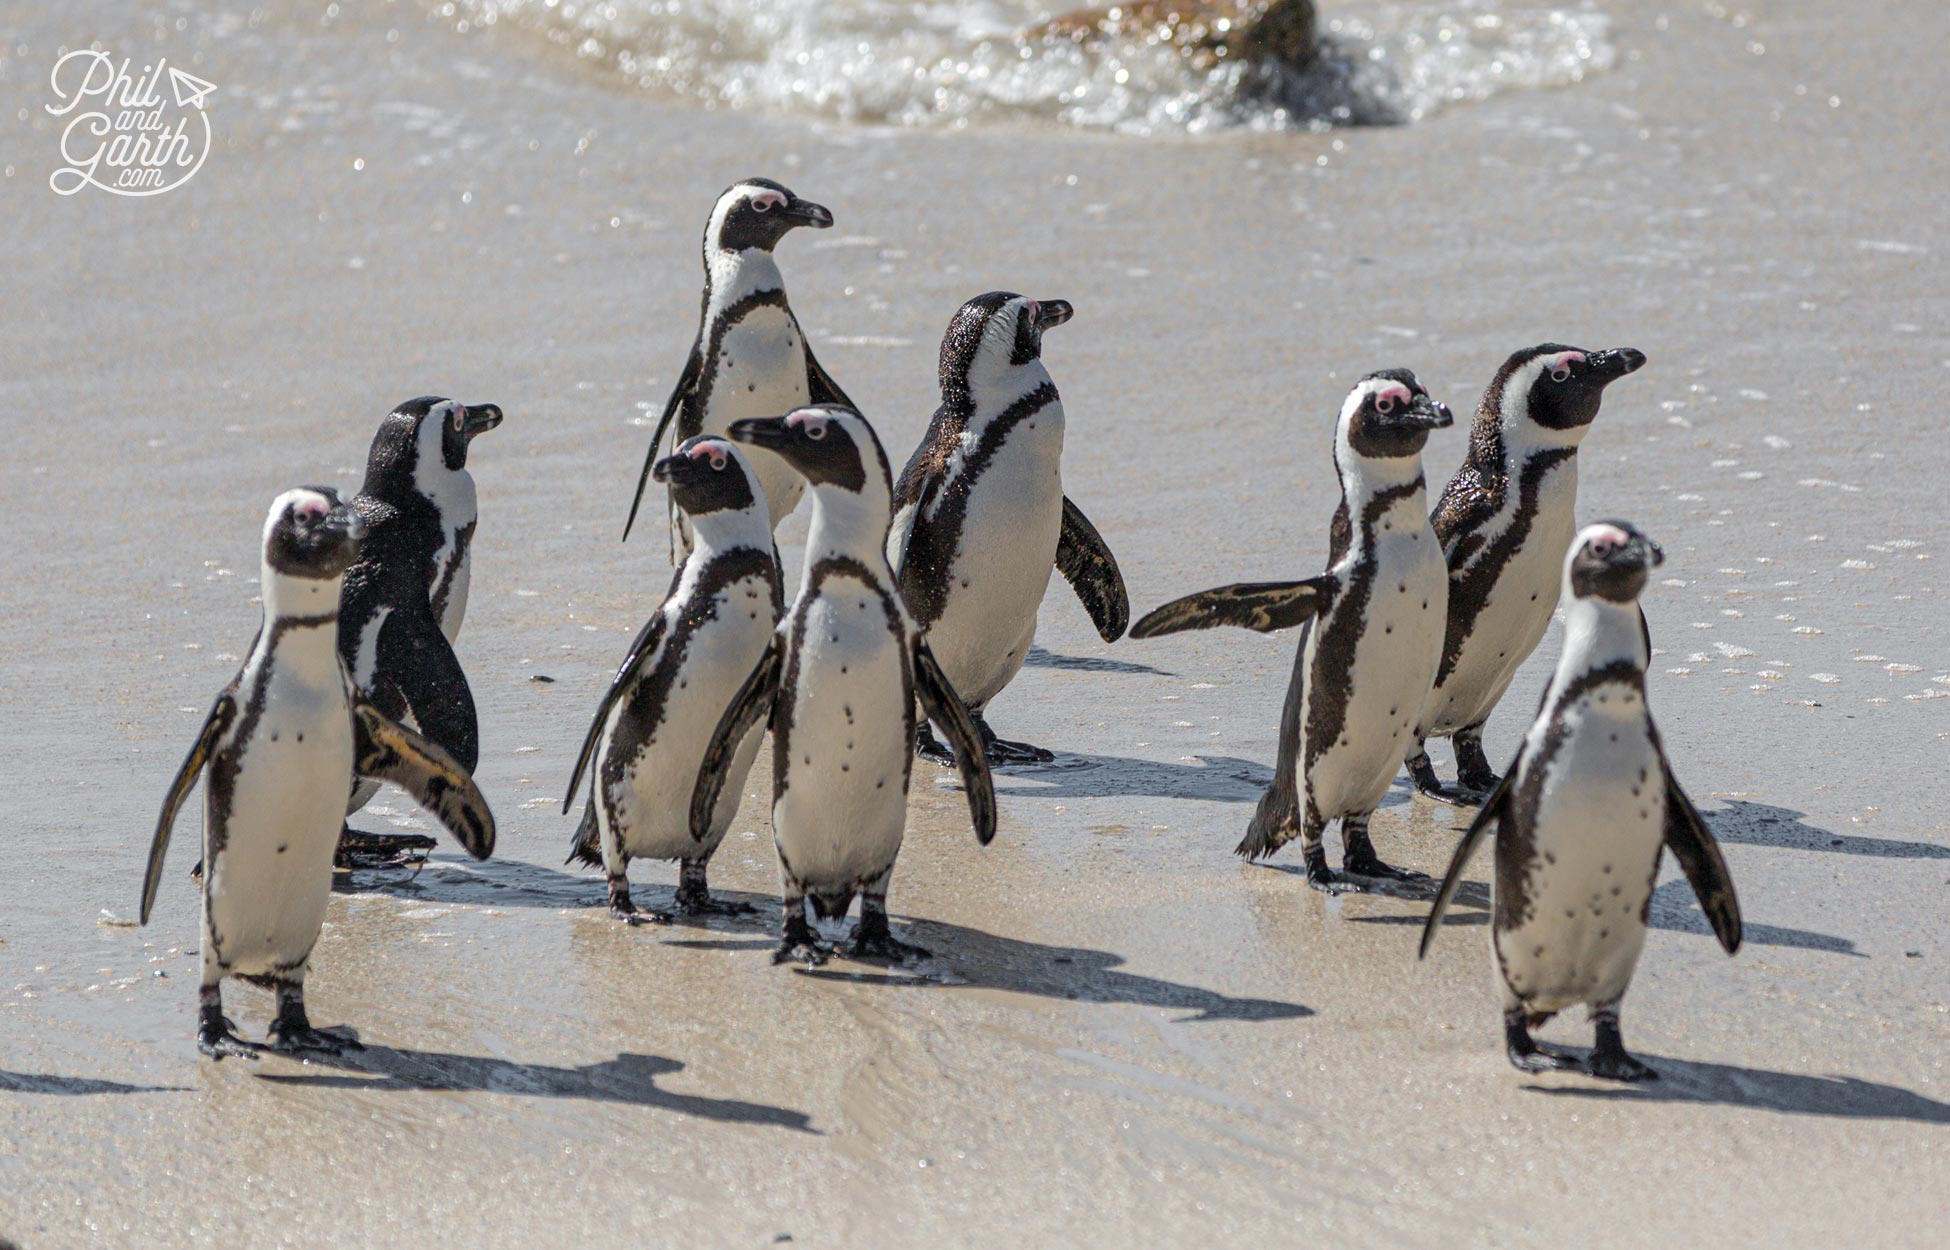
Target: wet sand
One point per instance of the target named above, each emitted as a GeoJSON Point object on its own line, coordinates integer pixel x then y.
{"type": "Point", "coordinates": [1129, 1037]}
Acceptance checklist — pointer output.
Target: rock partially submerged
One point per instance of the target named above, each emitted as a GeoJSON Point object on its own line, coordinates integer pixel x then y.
{"type": "Point", "coordinates": [1207, 33]}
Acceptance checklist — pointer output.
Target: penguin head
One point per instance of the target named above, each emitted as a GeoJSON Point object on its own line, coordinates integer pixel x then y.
{"type": "Point", "coordinates": [707, 475]}
{"type": "Point", "coordinates": [1388, 415]}
{"type": "Point", "coordinates": [993, 335]}
{"type": "Point", "coordinates": [421, 442]}
{"type": "Point", "coordinates": [311, 533]}
{"type": "Point", "coordinates": [833, 448]}
{"type": "Point", "coordinates": [757, 213]}
{"type": "Point", "coordinates": [1558, 388]}
{"type": "Point", "coordinates": [1611, 561]}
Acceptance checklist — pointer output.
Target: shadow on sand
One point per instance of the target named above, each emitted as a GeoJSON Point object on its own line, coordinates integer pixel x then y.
{"type": "Point", "coordinates": [627, 1078]}
{"type": "Point", "coordinates": [1076, 775]}
{"type": "Point", "coordinates": [1762, 824]}
{"type": "Point", "coordinates": [1039, 658]}
{"type": "Point", "coordinates": [30, 1083]}
{"type": "Point", "coordinates": [1684, 1081]}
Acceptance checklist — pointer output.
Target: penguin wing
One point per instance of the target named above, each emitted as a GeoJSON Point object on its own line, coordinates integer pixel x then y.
{"type": "Point", "coordinates": [649, 641]}
{"type": "Point", "coordinates": [753, 701]}
{"type": "Point", "coordinates": [1698, 853]}
{"type": "Point", "coordinates": [389, 751]}
{"type": "Point", "coordinates": [1263, 606]}
{"type": "Point", "coordinates": [1486, 816]}
{"type": "Point", "coordinates": [820, 387]}
{"type": "Point", "coordinates": [945, 708]}
{"type": "Point", "coordinates": [222, 713]}
{"type": "Point", "coordinates": [1467, 504]}
{"type": "Point", "coordinates": [1086, 563]}
{"type": "Point", "coordinates": [679, 396]}
{"type": "Point", "coordinates": [420, 664]}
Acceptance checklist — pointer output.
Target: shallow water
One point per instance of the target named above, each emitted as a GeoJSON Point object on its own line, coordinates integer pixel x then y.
{"type": "Point", "coordinates": [1129, 1036]}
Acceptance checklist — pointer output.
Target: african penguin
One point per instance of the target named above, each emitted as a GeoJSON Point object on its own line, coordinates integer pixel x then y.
{"type": "Point", "coordinates": [838, 684]}
{"type": "Point", "coordinates": [405, 597]}
{"type": "Point", "coordinates": [680, 674]}
{"type": "Point", "coordinates": [1581, 821]}
{"type": "Point", "coordinates": [980, 517]}
{"type": "Point", "coordinates": [1505, 521]}
{"type": "Point", "coordinates": [283, 744]}
{"type": "Point", "coordinates": [750, 358]}
{"type": "Point", "coordinates": [1372, 636]}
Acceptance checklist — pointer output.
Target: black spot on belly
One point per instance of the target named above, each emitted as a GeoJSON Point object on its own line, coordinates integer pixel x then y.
{"type": "Point", "coordinates": [751, 386]}
{"type": "Point", "coordinates": [1606, 868]}
{"type": "Point", "coordinates": [274, 735]}
{"type": "Point", "coordinates": [1603, 934]}
{"type": "Point", "coordinates": [283, 847]}
{"type": "Point", "coordinates": [301, 737]}
{"type": "Point", "coordinates": [1538, 953]}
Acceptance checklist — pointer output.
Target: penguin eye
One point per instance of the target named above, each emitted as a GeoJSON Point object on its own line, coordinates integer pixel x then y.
{"type": "Point", "coordinates": [1601, 547]}
{"type": "Point", "coordinates": [1560, 374]}
{"type": "Point", "coordinates": [718, 463]}
{"type": "Point", "coordinates": [815, 430]}
{"type": "Point", "coordinates": [1385, 405]}
{"type": "Point", "coordinates": [456, 417]}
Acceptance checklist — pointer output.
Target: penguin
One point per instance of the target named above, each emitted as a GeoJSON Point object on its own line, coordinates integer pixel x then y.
{"type": "Point", "coordinates": [651, 728]}
{"type": "Point", "coordinates": [750, 358]}
{"type": "Point", "coordinates": [1371, 639]}
{"type": "Point", "coordinates": [1581, 820]}
{"type": "Point", "coordinates": [406, 596]}
{"type": "Point", "coordinates": [980, 517]}
{"type": "Point", "coordinates": [838, 684]}
{"type": "Point", "coordinates": [282, 746]}
{"type": "Point", "coordinates": [1505, 521]}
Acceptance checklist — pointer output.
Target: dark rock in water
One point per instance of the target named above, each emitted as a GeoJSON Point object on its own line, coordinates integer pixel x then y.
{"type": "Point", "coordinates": [1206, 33]}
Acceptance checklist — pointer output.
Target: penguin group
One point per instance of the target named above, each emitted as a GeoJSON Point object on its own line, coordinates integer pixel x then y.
{"type": "Point", "coordinates": [915, 608]}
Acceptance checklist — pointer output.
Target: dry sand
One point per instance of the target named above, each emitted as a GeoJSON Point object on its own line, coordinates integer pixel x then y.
{"type": "Point", "coordinates": [1130, 1038]}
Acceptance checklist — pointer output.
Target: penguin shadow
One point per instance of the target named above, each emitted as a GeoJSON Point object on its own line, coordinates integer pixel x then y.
{"type": "Point", "coordinates": [1039, 658]}
{"type": "Point", "coordinates": [1763, 824]}
{"type": "Point", "coordinates": [629, 1078]}
{"type": "Point", "coordinates": [1789, 1093]}
{"type": "Point", "coordinates": [1078, 775]}
{"type": "Point", "coordinates": [971, 957]}
{"type": "Point", "coordinates": [76, 1086]}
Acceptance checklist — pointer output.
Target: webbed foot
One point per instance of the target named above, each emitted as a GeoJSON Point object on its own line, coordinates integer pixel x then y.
{"type": "Point", "coordinates": [359, 849]}
{"type": "Point", "coordinates": [222, 1042]}
{"type": "Point", "coordinates": [1608, 1058]}
{"type": "Point", "coordinates": [1002, 752]}
{"type": "Point", "coordinates": [1527, 1054]}
{"type": "Point", "coordinates": [930, 748]}
{"type": "Point", "coordinates": [880, 944]}
{"type": "Point", "coordinates": [298, 1040]}
{"type": "Point", "coordinates": [700, 903]}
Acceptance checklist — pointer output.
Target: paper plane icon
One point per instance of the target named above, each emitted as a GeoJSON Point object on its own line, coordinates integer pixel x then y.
{"type": "Point", "coordinates": [189, 89]}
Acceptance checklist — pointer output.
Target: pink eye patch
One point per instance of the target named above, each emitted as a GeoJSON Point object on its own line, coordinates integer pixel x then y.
{"type": "Point", "coordinates": [1391, 396]}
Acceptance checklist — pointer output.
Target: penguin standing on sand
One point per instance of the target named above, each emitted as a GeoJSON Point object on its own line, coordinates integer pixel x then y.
{"type": "Point", "coordinates": [684, 668]}
{"type": "Point", "coordinates": [405, 597]}
{"type": "Point", "coordinates": [1505, 521]}
{"type": "Point", "coordinates": [1581, 821]}
{"type": "Point", "coordinates": [1372, 637]}
{"type": "Point", "coordinates": [750, 358]}
{"type": "Point", "coordinates": [283, 744]}
{"type": "Point", "coordinates": [980, 517]}
{"type": "Point", "coordinates": [838, 683]}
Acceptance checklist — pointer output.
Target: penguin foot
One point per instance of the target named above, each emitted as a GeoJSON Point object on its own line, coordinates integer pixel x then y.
{"type": "Point", "coordinates": [1364, 873]}
{"type": "Point", "coordinates": [630, 914]}
{"type": "Point", "coordinates": [1474, 787]}
{"type": "Point", "coordinates": [359, 849]}
{"type": "Point", "coordinates": [1608, 1058]}
{"type": "Point", "coordinates": [700, 903]}
{"type": "Point", "coordinates": [929, 748]}
{"type": "Point", "coordinates": [221, 1042]}
{"type": "Point", "coordinates": [1002, 752]}
{"type": "Point", "coordinates": [1422, 773]}
{"type": "Point", "coordinates": [1542, 1058]}
{"type": "Point", "coordinates": [880, 944]}
{"type": "Point", "coordinates": [299, 1040]}
{"type": "Point", "coordinates": [809, 952]}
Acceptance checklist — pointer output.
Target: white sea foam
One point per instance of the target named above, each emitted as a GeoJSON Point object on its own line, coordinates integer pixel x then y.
{"type": "Point", "coordinates": [931, 63]}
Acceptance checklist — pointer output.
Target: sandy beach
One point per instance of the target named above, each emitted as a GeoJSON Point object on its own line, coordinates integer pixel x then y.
{"type": "Point", "coordinates": [1129, 1037]}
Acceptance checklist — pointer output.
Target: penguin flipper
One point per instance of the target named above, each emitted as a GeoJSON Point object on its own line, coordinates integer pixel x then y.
{"type": "Point", "coordinates": [945, 708]}
{"type": "Point", "coordinates": [1086, 563]}
{"type": "Point", "coordinates": [389, 751]}
{"type": "Point", "coordinates": [222, 713]}
{"type": "Point", "coordinates": [1486, 816]}
{"type": "Point", "coordinates": [686, 384]}
{"type": "Point", "coordinates": [1698, 853]}
{"type": "Point", "coordinates": [753, 701]}
{"type": "Point", "coordinates": [1262, 606]}
{"type": "Point", "coordinates": [424, 672]}
{"type": "Point", "coordinates": [820, 387]}
{"type": "Point", "coordinates": [649, 641]}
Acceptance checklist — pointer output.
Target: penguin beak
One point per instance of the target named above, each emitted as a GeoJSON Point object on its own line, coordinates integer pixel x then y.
{"type": "Point", "coordinates": [807, 213]}
{"type": "Point", "coordinates": [1644, 552]}
{"type": "Point", "coordinates": [771, 433]}
{"type": "Point", "coordinates": [1615, 363]}
{"type": "Point", "coordinates": [1052, 312]}
{"type": "Point", "coordinates": [669, 467]}
{"type": "Point", "coordinates": [346, 525]}
{"type": "Point", "coordinates": [479, 419]}
{"type": "Point", "coordinates": [1425, 413]}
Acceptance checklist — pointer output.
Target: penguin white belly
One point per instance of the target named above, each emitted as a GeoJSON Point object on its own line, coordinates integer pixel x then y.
{"type": "Point", "coordinates": [761, 373]}
{"type": "Point", "coordinates": [1384, 688]}
{"type": "Point", "coordinates": [653, 796]}
{"type": "Point", "coordinates": [842, 803]}
{"type": "Point", "coordinates": [266, 890]}
{"type": "Point", "coordinates": [1589, 862]}
{"type": "Point", "coordinates": [1513, 620]}
{"type": "Point", "coordinates": [1002, 566]}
